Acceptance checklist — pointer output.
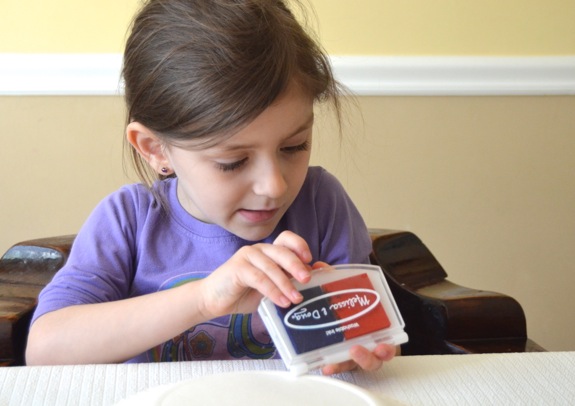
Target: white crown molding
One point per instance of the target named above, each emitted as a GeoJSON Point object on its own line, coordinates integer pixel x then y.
{"type": "Point", "coordinates": [99, 74]}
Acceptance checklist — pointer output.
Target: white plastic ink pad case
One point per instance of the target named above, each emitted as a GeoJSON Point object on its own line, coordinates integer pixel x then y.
{"type": "Point", "coordinates": [343, 306]}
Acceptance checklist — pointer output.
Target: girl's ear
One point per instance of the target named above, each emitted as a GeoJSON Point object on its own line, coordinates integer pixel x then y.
{"type": "Point", "coordinates": [149, 146]}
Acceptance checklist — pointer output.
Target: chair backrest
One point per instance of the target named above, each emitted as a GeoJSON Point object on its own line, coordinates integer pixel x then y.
{"type": "Point", "coordinates": [406, 259]}
{"type": "Point", "coordinates": [24, 270]}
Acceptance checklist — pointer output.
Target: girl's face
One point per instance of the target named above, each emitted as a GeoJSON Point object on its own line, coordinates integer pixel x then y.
{"type": "Point", "coordinates": [246, 183]}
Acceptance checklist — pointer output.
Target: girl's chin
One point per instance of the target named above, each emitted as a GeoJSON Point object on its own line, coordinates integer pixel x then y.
{"type": "Point", "coordinates": [253, 233]}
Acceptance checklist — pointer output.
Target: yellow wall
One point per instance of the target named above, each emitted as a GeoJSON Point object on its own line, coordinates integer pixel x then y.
{"type": "Point", "coordinates": [64, 26]}
{"type": "Point", "coordinates": [368, 27]}
{"type": "Point", "coordinates": [486, 182]}
{"type": "Point", "coordinates": [448, 27]}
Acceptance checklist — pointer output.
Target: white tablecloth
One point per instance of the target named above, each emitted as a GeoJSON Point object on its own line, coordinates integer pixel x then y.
{"type": "Point", "coordinates": [495, 379]}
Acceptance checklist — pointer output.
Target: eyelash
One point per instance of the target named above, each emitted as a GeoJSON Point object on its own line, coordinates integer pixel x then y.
{"type": "Point", "coordinates": [297, 148]}
{"type": "Point", "coordinates": [231, 167]}
{"type": "Point", "coordinates": [288, 150]}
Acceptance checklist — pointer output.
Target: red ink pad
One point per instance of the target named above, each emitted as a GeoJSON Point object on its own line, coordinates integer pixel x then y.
{"type": "Point", "coordinates": [343, 306]}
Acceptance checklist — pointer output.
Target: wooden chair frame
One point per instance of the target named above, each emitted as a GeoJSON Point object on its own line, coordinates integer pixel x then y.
{"type": "Point", "coordinates": [441, 317]}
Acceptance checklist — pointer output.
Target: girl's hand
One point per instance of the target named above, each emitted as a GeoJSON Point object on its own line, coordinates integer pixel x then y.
{"type": "Point", "coordinates": [256, 271]}
{"type": "Point", "coordinates": [364, 359]}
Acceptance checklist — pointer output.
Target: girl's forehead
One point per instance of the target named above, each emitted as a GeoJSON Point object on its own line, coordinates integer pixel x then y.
{"type": "Point", "coordinates": [280, 131]}
{"type": "Point", "coordinates": [291, 113]}
{"type": "Point", "coordinates": [248, 137]}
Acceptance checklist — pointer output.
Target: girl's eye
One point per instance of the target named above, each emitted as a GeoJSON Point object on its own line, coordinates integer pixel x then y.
{"type": "Point", "coordinates": [231, 166]}
{"type": "Point", "coordinates": [297, 148]}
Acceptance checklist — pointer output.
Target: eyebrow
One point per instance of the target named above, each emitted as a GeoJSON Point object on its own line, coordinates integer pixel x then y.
{"type": "Point", "coordinates": [307, 124]}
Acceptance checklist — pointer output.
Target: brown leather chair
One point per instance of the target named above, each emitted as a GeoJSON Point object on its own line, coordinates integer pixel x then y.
{"type": "Point", "coordinates": [24, 270]}
{"type": "Point", "coordinates": [441, 317]}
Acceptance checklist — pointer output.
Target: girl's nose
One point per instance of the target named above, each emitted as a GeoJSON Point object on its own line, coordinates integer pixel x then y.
{"type": "Point", "coordinates": [270, 182]}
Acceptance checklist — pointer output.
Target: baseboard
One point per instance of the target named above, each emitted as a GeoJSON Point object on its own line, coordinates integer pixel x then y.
{"type": "Point", "coordinates": [99, 74]}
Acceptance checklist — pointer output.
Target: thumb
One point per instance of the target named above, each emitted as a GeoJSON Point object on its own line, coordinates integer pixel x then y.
{"type": "Point", "coordinates": [319, 264]}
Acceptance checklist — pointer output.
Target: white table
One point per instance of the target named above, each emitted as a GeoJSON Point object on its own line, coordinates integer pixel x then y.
{"type": "Point", "coordinates": [495, 379]}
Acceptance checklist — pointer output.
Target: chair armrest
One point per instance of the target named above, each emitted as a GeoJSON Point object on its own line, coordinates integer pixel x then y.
{"type": "Point", "coordinates": [24, 270]}
{"type": "Point", "coordinates": [442, 317]}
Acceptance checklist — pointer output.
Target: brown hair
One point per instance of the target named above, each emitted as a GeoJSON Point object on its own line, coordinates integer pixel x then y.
{"type": "Point", "coordinates": [204, 68]}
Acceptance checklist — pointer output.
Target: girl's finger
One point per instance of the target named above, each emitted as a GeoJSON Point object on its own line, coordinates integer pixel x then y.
{"type": "Point", "coordinates": [296, 244]}
{"type": "Point", "coordinates": [266, 275]}
{"type": "Point", "coordinates": [339, 368]}
{"type": "Point", "coordinates": [370, 361]}
{"type": "Point", "coordinates": [319, 264]}
{"type": "Point", "coordinates": [288, 261]}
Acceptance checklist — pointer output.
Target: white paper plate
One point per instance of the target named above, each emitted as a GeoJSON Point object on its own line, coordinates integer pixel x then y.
{"type": "Point", "coordinates": [258, 388]}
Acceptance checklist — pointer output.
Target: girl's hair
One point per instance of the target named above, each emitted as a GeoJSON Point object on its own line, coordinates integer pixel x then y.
{"type": "Point", "coordinates": [202, 69]}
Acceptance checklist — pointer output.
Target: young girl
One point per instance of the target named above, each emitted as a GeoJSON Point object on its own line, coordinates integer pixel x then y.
{"type": "Point", "coordinates": [220, 98]}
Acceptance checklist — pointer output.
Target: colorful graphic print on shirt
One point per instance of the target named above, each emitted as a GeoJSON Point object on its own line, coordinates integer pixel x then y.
{"type": "Point", "coordinates": [226, 337]}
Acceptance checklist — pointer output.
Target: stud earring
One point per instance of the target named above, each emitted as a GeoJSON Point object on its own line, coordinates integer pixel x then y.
{"type": "Point", "coordinates": [164, 170]}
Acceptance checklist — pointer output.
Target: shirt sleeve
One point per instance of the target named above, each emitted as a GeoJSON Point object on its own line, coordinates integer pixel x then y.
{"type": "Point", "coordinates": [343, 234]}
{"type": "Point", "coordinates": [100, 265]}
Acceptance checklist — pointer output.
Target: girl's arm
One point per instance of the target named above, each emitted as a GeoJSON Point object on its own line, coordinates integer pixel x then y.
{"type": "Point", "coordinates": [119, 330]}
{"type": "Point", "coordinates": [114, 331]}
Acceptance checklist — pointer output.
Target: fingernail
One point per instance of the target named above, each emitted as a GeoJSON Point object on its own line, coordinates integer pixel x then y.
{"type": "Point", "coordinates": [303, 276]}
{"type": "Point", "coordinates": [284, 301]}
{"type": "Point", "coordinates": [296, 296]}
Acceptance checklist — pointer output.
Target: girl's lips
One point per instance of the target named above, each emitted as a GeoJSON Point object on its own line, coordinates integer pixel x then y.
{"type": "Point", "coordinates": [258, 216]}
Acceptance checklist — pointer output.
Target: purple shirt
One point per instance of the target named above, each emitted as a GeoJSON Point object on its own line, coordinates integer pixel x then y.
{"type": "Point", "coordinates": [130, 246]}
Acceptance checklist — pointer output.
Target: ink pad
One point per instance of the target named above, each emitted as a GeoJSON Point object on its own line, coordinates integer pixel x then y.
{"type": "Point", "coordinates": [343, 306]}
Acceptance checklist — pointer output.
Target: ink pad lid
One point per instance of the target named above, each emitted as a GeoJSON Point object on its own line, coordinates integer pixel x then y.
{"type": "Point", "coordinates": [343, 306]}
